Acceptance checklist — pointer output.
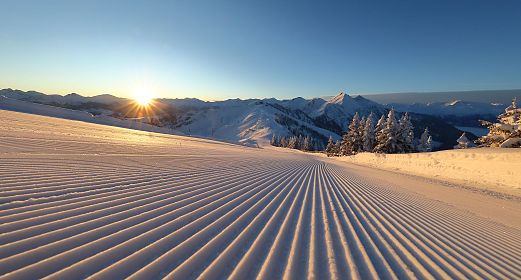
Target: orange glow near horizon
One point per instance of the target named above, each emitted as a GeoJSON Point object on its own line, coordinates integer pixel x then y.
{"type": "Point", "coordinates": [143, 96]}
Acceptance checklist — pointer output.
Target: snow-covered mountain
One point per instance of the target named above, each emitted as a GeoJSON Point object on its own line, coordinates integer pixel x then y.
{"type": "Point", "coordinates": [245, 121]}
{"type": "Point", "coordinates": [18, 105]}
{"type": "Point", "coordinates": [341, 108]}
{"type": "Point", "coordinates": [251, 121]}
{"type": "Point", "coordinates": [71, 99]}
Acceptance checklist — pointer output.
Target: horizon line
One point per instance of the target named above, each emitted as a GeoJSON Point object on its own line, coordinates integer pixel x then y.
{"type": "Point", "coordinates": [261, 98]}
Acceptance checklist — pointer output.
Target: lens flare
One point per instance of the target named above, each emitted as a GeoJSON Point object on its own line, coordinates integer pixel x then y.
{"type": "Point", "coordinates": [143, 96]}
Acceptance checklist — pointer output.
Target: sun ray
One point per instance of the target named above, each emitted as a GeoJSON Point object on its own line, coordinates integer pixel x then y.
{"type": "Point", "coordinates": [143, 96]}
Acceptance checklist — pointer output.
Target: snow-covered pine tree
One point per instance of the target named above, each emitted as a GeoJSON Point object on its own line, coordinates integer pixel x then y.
{"type": "Point", "coordinates": [306, 146]}
{"type": "Point", "coordinates": [338, 148]}
{"type": "Point", "coordinates": [314, 144]}
{"type": "Point", "coordinates": [300, 142]}
{"type": "Point", "coordinates": [274, 140]}
{"type": "Point", "coordinates": [463, 142]}
{"type": "Point", "coordinates": [387, 140]}
{"type": "Point", "coordinates": [330, 148]}
{"type": "Point", "coordinates": [352, 140]}
{"type": "Point", "coordinates": [380, 125]}
{"type": "Point", "coordinates": [425, 141]}
{"type": "Point", "coordinates": [345, 148]}
{"type": "Point", "coordinates": [360, 128]}
{"type": "Point", "coordinates": [368, 134]}
{"type": "Point", "coordinates": [359, 143]}
{"type": "Point", "coordinates": [282, 141]}
{"type": "Point", "coordinates": [292, 142]}
{"type": "Point", "coordinates": [506, 133]}
{"type": "Point", "coordinates": [405, 134]}
{"type": "Point", "coordinates": [286, 142]}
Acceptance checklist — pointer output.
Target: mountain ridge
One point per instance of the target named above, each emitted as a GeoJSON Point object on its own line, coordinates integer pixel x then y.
{"type": "Point", "coordinates": [249, 121]}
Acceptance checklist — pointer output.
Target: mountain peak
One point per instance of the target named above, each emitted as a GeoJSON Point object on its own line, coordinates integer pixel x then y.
{"type": "Point", "coordinates": [340, 98]}
{"type": "Point", "coordinates": [341, 95]}
{"type": "Point", "coordinates": [73, 94]}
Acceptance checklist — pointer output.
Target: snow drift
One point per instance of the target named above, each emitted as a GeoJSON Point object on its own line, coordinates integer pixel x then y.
{"type": "Point", "coordinates": [489, 168]}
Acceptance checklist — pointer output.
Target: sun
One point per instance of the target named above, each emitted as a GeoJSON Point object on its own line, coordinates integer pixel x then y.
{"type": "Point", "coordinates": [143, 96]}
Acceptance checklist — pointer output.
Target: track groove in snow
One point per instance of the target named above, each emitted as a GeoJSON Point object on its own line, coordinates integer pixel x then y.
{"type": "Point", "coordinates": [89, 201]}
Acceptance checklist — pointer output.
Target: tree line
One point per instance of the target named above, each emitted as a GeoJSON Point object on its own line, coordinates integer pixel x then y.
{"type": "Point", "coordinates": [294, 142]}
{"type": "Point", "coordinates": [392, 135]}
{"type": "Point", "coordinates": [389, 135]}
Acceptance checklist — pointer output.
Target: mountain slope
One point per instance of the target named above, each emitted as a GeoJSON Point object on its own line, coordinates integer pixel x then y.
{"type": "Point", "coordinates": [341, 109]}
{"type": "Point", "coordinates": [64, 113]}
{"type": "Point", "coordinates": [81, 200]}
{"type": "Point", "coordinates": [250, 122]}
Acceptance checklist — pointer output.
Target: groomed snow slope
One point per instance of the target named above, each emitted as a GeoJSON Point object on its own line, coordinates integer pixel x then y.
{"type": "Point", "coordinates": [486, 168]}
{"type": "Point", "coordinates": [80, 200]}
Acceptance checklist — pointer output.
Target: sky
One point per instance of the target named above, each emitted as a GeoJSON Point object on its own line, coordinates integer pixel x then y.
{"type": "Point", "coordinates": [216, 50]}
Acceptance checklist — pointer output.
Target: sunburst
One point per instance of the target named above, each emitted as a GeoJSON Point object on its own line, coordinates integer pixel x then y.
{"type": "Point", "coordinates": [143, 96]}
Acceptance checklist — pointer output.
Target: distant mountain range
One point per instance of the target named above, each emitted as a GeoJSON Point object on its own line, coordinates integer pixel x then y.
{"type": "Point", "coordinates": [480, 96]}
{"type": "Point", "coordinates": [254, 121]}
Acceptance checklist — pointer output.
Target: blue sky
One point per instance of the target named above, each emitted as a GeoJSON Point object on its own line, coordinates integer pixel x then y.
{"type": "Point", "coordinates": [226, 49]}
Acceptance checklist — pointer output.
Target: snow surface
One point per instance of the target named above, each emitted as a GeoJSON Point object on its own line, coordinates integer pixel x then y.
{"type": "Point", "coordinates": [487, 168]}
{"type": "Point", "coordinates": [82, 200]}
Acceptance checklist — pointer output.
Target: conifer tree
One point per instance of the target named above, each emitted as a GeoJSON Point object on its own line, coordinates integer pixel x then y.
{"type": "Point", "coordinates": [306, 146]}
{"type": "Point", "coordinates": [506, 133]}
{"type": "Point", "coordinates": [292, 142]}
{"type": "Point", "coordinates": [299, 143]}
{"type": "Point", "coordinates": [338, 147]}
{"type": "Point", "coordinates": [388, 140]}
{"type": "Point", "coordinates": [405, 135]}
{"type": "Point", "coordinates": [274, 140]}
{"type": "Point", "coordinates": [425, 141]}
{"type": "Point", "coordinates": [368, 134]}
{"type": "Point", "coordinates": [352, 140]}
{"type": "Point", "coordinates": [283, 142]}
{"type": "Point", "coordinates": [330, 148]}
{"type": "Point", "coordinates": [463, 142]}
{"type": "Point", "coordinates": [345, 148]}
{"type": "Point", "coordinates": [380, 125]}
{"type": "Point", "coordinates": [360, 132]}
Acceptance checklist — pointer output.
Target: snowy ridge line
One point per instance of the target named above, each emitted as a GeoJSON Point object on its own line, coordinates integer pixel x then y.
{"type": "Point", "coordinates": [225, 212]}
